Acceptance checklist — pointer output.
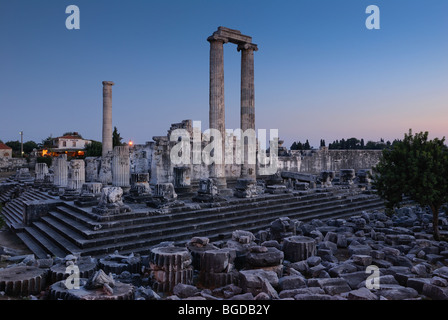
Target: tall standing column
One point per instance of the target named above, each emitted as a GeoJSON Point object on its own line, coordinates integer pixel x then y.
{"type": "Point", "coordinates": [107, 117]}
{"type": "Point", "coordinates": [248, 109]}
{"type": "Point", "coordinates": [217, 107]}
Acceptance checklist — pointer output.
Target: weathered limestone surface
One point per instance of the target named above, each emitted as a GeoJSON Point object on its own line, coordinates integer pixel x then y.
{"type": "Point", "coordinates": [76, 175]}
{"type": "Point", "coordinates": [140, 189]}
{"type": "Point", "coordinates": [40, 170]}
{"type": "Point", "coordinates": [22, 280]}
{"type": "Point", "coordinates": [86, 266]}
{"type": "Point", "coordinates": [107, 117]}
{"type": "Point", "coordinates": [105, 173]}
{"type": "Point", "coordinates": [92, 168]}
{"type": "Point", "coordinates": [217, 108]}
{"type": "Point", "coordinates": [60, 169]}
{"type": "Point", "coordinates": [121, 167]}
{"type": "Point", "coordinates": [111, 202]}
{"type": "Point", "coordinates": [298, 248]}
{"type": "Point", "coordinates": [248, 170]}
{"type": "Point", "coordinates": [76, 178]}
{"type": "Point", "coordinates": [90, 194]}
{"type": "Point", "coordinates": [170, 266]}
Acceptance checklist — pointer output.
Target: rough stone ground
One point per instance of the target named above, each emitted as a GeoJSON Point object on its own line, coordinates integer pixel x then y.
{"type": "Point", "coordinates": [411, 265]}
{"type": "Point", "coordinates": [10, 240]}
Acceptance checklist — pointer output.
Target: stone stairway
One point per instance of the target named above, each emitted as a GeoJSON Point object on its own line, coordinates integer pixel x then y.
{"type": "Point", "coordinates": [13, 209]}
{"type": "Point", "coordinates": [6, 190]}
{"type": "Point", "coordinates": [70, 229]}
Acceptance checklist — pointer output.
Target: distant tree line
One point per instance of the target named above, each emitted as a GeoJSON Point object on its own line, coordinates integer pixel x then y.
{"type": "Point", "coordinates": [356, 144]}
{"type": "Point", "coordinates": [301, 146]}
{"type": "Point", "coordinates": [347, 144]}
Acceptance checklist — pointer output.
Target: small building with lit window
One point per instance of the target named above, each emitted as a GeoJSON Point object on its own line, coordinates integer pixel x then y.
{"type": "Point", "coordinates": [71, 144]}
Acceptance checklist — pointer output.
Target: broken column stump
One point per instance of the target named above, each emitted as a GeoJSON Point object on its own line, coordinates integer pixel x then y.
{"type": "Point", "coordinates": [170, 266]}
{"type": "Point", "coordinates": [116, 263]}
{"type": "Point", "coordinates": [164, 197]}
{"type": "Point", "coordinates": [197, 246]}
{"type": "Point", "coordinates": [266, 258]}
{"type": "Point", "coordinates": [22, 280]}
{"type": "Point", "coordinates": [208, 192]}
{"type": "Point", "coordinates": [86, 265]}
{"type": "Point", "coordinates": [111, 202]}
{"type": "Point", "coordinates": [90, 194]}
{"type": "Point", "coordinates": [107, 291]}
{"type": "Point", "coordinates": [346, 176]}
{"type": "Point", "coordinates": [298, 248]}
{"type": "Point", "coordinates": [217, 268]}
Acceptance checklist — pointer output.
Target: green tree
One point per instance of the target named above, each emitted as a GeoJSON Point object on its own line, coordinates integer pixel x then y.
{"type": "Point", "coordinates": [322, 142]}
{"type": "Point", "coordinates": [94, 149]}
{"type": "Point", "coordinates": [294, 146]}
{"type": "Point", "coordinates": [116, 138]}
{"type": "Point", "coordinates": [47, 160]}
{"type": "Point", "coordinates": [15, 145]}
{"type": "Point", "coordinates": [29, 146]}
{"type": "Point", "coordinates": [415, 167]}
{"type": "Point", "coordinates": [306, 146]}
{"type": "Point", "coordinates": [48, 142]}
{"type": "Point", "coordinates": [352, 144]}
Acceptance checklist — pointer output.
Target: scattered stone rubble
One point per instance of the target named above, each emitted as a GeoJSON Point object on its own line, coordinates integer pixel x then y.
{"type": "Point", "coordinates": [316, 260]}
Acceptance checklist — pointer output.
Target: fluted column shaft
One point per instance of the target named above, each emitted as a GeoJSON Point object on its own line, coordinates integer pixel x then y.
{"type": "Point", "coordinates": [107, 117]}
{"type": "Point", "coordinates": [217, 106]}
{"type": "Point", "coordinates": [121, 172]}
{"type": "Point", "coordinates": [76, 174]}
{"type": "Point", "coordinates": [60, 171]}
{"type": "Point", "coordinates": [248, 105]}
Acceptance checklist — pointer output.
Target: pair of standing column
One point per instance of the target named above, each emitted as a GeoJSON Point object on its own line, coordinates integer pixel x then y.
{"type": "Point", "coordinates": [217, 106]}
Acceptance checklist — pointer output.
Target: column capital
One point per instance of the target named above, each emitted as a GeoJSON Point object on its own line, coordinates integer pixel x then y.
{"type": "Point", "coordinates": [216, 37]}
{"type": "Point", "coordinates": [110, 83]}
{"type": "Point", "coordinates": [247, 46]}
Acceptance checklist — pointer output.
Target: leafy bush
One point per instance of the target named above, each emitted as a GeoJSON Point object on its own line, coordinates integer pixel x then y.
{"type": "Point", "coordinates": [47, 160]}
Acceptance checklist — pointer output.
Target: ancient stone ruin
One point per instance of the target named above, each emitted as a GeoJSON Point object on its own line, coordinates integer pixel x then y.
{"type": "Point", "coordinates": [132, 224]}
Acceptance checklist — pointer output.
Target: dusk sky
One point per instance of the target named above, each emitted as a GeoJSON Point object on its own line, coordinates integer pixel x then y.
{"type": "Point", "coordinates": [319, 72]}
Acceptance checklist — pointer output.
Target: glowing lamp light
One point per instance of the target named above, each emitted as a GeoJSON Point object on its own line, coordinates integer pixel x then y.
{"type": "Point", "coordinates": [131, 143]}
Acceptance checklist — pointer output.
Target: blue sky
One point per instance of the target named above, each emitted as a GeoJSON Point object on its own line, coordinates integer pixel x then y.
{"type": "Point", "coordinates": [319, 72]}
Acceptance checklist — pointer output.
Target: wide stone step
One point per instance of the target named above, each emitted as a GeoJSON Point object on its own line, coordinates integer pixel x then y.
{"type": "Point", "coordinates": [215, 213]}
{"type": "Point", "coordinates": [77, 233]}
{"type": "Point", "coordinates": [11, 216]}
{"type": "Point", "coordinates": [224, 232]}
{"type": "Point", "coordinates": [72, 229]}
{"type": "Point", "coordinates": [49, 246]}
{"type": "Point", "coordinates": [180, 221]}
{"type": "Point", "coordinates": [56, 238]}
{"type": "Point", "coordinates": [225, 206]}
{"type": "Point", "coordinates": [36, 195]}
{"type": "Point", "coordinates": [33, 245]}
{"type": "Point", "coordinates": [69, 225]}
{"type": "Point", "coordinates": [17, 207]}
{"type": "Point", "coordinates": [80, 217]}
{"type": "Point", "coordinates": [207, 228]}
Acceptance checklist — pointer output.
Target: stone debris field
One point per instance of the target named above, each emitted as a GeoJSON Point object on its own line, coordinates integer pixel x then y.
{"type": "Point", "coordinates": [316, 260]}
